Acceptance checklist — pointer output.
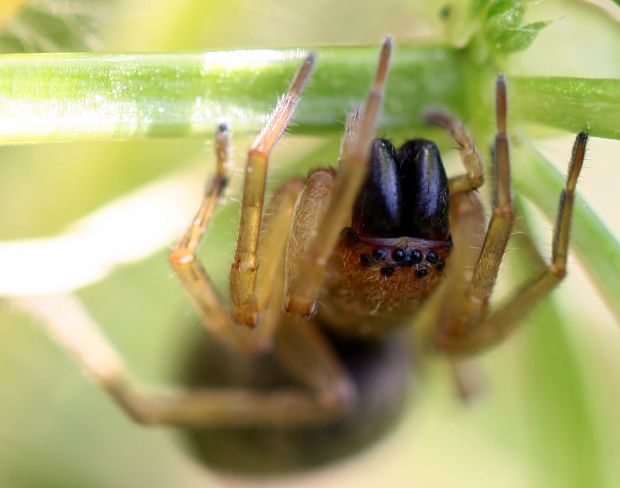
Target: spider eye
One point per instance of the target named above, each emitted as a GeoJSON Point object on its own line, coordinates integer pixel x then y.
{"type": "Point", "coordinates": [424, 191]}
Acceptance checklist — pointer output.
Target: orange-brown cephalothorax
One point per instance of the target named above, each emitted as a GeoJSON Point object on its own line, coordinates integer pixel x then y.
{"type": "Point", "coordinates": [393, 255]}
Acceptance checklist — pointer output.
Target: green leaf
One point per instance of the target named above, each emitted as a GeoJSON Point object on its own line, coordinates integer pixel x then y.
{"type": "Point", "coordinates": [478, 7]}
{"type": "Point", "coordinates": [558, 435]}
{"type": "Point", "coordinates": [520, 38]}
{"type": "Point", "coordinates": [562, 422]}
{"type": "Point", "coordinates": [47, 26]}
{"type": "Point", "coordinates": [503, 15]}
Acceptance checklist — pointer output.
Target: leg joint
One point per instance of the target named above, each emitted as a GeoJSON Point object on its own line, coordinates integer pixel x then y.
{"type": "Point", "coordinates": [505, 211]}
{"type": "Point", "coordinates": [258, 155]}
{"type": "Point", "coordinates": [181, 257]}
{"type": "Point", "coordinates": [558, 270]}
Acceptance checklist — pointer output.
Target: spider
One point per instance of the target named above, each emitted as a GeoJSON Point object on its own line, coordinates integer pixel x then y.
{"type": "Point", "coordinates": [326, 274]}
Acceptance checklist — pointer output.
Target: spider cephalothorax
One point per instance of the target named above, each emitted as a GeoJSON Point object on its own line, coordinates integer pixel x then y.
{"type": "Point", "coordinates": [393, 256]}
{"type": "Point", "coordinates": [373, 283]}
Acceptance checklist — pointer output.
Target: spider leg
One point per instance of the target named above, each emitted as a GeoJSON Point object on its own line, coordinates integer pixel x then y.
{"type": "Point", "coordinates": [467, 229]}
{"type": "Point", "coordinates": [476, 329]}
{"type": "Point", "coordinates": [469, 296]}
{"type": "Point", "coordinates": [306, 354]}
{"type": "Point", "coordinates": [353, 166]}
{"type": "Point", "coordinates": [271, 260]}
{"type": "Point", "coordinates": [502, 321]}
{"type": "Point", "coordinates": [243, 272]}
{"type": "Point", "coordinates": [468, 379]}
{"type": "Point", "coordinates": [474, 171]}
{"type": "Point", "coordinates": [500, 225]}
{"type": "Point", "coordinates": [325, 392]}
{"type": "Point", "coordinates": [310, 210]}
{"type": "Point", "coordinates": [192, 274]}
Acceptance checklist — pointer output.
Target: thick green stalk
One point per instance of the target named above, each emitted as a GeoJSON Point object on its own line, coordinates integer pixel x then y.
{"type": "Point", "coordinates": [573, 104]}
{"type": "Point", "coordinates": [60, 97]}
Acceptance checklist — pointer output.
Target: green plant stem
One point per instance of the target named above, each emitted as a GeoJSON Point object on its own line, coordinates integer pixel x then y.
{"type": "Point", "coordinates": [559, 436]}
{"type": "Point", "coordinates": [62, 97]}
{"type": "Point", "coordinates": [573, 104]}
{"type": "Point", "coordinates": [65, 97]}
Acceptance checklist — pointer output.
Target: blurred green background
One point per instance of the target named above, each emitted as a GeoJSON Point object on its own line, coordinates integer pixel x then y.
{"type": "Point", "coordinates": [548, 413]}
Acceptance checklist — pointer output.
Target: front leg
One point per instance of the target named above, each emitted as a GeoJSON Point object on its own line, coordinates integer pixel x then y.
{"type": "Point", "coordinates": [193, 276]}
{"type": "Point", "coordinates": [499, 323]}
{"type": "Point", "coordinates": [352, 170]}
{"type": "Point", "coordinates": [471, 308]}
{"type": "Point", "coordinates": [476, 329]}
{"type": "Point", "coordinates": [243, 272]}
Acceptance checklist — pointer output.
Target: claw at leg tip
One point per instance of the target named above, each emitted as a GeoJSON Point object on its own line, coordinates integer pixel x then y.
{"type": "Point", "coordinates": [304, 72]}
{"type": "Point", "coordinates": [500, 84]}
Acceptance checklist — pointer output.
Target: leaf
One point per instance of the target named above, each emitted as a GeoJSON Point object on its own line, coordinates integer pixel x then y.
{"type": "Point", "coordinates": [502, 16]}
{"type": "Point", "coordinates": [519, 39]}
{"type": "Point", "coordinates": [478, 7]}
{"type": "Point", "coordinates": [504, 29]}
{"type": "Point", "coordinates": [48, 26]}
{"type": "Point", "coordinates": [558, 435]}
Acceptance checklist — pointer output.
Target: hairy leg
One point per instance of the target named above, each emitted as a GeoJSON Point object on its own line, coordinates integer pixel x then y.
{"type": "Point", "coordinates": [500, 225]}
{"type": "Point", "coordinates": [309, 212]}
{"type": "Point", "coordinates": [499, 323]}
{"type": "Point", "coordinates": [352, 170]}
{"type": "Point", "coordinates": [215, 316]}
{"type": "Point", "coordinates": [474, 171]}
{"type": "Point", "coordinates": [243, 271]}
{"type": "Point", "coordinates": [474, 328]}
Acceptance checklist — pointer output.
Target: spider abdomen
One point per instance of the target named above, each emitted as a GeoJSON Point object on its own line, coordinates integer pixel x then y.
{"type": "Point", "coordinates": [380, 370]}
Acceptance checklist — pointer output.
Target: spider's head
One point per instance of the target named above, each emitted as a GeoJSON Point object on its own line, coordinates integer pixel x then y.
{"type": "Point", "coordinates": [393, 255]}
{"type": "Point", "coordinates": [401, 213]}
